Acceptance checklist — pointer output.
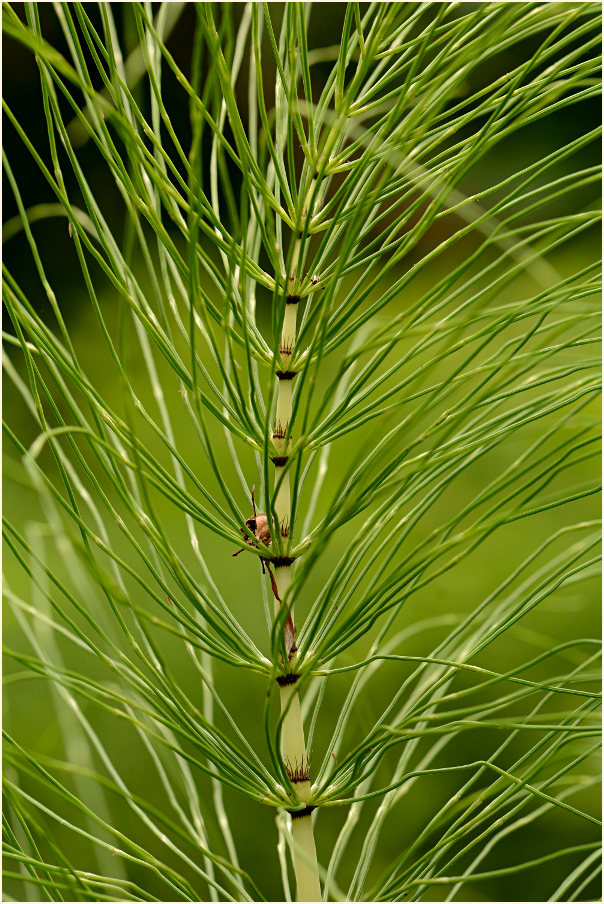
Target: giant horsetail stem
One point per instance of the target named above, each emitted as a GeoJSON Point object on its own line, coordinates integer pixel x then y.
{"type": "Point", "coordinates": [295, 756]}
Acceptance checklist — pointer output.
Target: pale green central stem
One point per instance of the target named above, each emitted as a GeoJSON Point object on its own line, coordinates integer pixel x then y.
{"type": "Point", "coordinates": [293, 742]}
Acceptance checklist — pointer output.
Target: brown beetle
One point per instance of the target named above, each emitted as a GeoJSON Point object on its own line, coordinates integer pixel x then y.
{"type": "Point", "coordinates": [258, 525]}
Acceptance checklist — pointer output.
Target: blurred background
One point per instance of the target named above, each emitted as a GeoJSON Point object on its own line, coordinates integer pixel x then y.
{"type": "Point", "coordinates": [29, 707]}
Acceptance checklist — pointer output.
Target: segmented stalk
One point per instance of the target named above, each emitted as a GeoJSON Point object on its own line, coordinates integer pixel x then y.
{"type": "Point", "coordinates": [293, 742]}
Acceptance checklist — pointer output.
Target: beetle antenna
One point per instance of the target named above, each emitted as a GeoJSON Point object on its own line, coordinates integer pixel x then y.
{"type": "Point", "coordinates": [253, 502]}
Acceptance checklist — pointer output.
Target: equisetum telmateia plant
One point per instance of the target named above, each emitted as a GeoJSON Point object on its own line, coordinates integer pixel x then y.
{"type": "Point", "coordinates": [315, 286]}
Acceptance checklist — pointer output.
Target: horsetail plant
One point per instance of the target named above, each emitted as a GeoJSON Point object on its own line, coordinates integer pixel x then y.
{"type": "Point", "coordinates": [350, 276]}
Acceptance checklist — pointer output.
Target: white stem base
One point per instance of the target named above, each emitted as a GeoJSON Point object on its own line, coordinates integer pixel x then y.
{"type": "Point", "coordinates": [305, 860]}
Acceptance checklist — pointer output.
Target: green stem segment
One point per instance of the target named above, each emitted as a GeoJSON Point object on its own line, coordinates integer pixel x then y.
{"type": "Point", "coordinates": [293, 742]}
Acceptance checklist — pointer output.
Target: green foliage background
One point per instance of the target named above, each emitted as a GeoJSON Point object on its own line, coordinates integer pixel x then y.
{"type": "Point", "coordinates": [571, 613]}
